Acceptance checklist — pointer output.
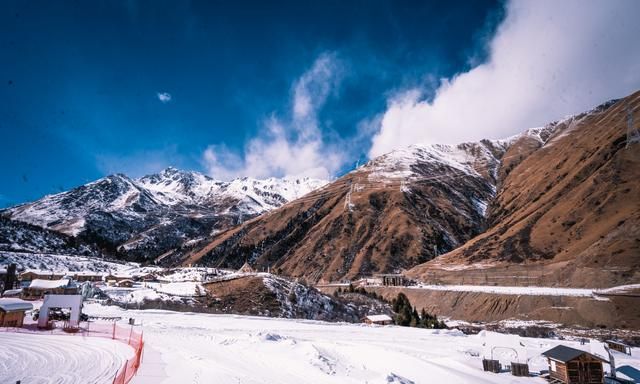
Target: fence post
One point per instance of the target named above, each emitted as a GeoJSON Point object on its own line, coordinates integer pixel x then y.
{"type": "Point", "coordinates": [113, 336]}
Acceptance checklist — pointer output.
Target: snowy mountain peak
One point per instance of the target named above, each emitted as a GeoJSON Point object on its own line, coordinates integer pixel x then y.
{"type": "Point", "coordinates": [158, 211]}
{"type": "Point", "coordinates": [422, 160]}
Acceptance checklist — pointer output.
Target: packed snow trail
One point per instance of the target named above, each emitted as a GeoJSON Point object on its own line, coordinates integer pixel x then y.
{"type": "Point", "coordinates": [60, 359]}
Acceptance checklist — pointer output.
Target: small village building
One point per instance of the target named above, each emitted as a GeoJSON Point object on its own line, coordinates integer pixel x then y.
{"type": "Point", "coordinates": [112, 279]}
{"type": "Point", "coordinates": [127, 283]}
{"type": "Point", "coordinates": [573, 366]}
{"type": "Point", "coordinates": [38, 288]}
{"type": "Point", "coordinates": [393, 279]}
{"type": "Point", "coordinates": [87, 276]}
{"type": "Point", "coordinates": [147, 277]}
{"type": "Point", "coordinates": [33, 274]}
{"type": "Point", "coordinates": [378, 319]}
{"type": "Point", "coordinates": [619, 346]}
{"type": "Point", "coordinates": [246, 268]}
{"type": "Point", "coordinates": [12, 311]}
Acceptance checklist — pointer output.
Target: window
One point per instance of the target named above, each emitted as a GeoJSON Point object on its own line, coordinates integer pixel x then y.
{"type": "Point", "coordinates": [553, 365]}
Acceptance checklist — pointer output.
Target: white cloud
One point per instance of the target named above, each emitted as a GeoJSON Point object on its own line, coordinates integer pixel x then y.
{"type": "Point", "coordinates": [288, 147]}
{"type": "Point", "coordinates": [164, 97]}
{"type": "Point", "coordinates": [548, 59]}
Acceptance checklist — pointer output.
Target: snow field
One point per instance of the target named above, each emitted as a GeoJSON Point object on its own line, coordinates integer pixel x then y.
{"type": "Point", "coordinates": [204, 348]}
{"type": "Point", "coordinates": [60, 359]}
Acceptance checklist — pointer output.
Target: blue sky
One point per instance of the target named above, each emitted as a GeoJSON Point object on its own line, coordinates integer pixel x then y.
{"type": "Point", "coordinates": [80, 80]}
{"type": "Point", "coordinates": [304, 88]}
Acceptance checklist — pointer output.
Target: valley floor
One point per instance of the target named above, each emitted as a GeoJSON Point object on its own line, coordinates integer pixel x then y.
{"type": "Point", "coordinates": [203, 348]}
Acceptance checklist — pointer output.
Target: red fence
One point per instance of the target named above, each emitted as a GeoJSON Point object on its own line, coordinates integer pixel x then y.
{"type": "Point", "coordinates": [127, 334]}
{"type": "Point", "coordinates": [134, 339]}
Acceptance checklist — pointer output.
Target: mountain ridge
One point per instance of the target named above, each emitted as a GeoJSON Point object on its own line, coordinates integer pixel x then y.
{"type": "Point", "coordinates": [125, 216]}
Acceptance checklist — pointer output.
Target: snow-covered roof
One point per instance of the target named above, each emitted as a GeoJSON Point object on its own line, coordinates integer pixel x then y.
{"type": "Point", "coordinates": [42, 272]}
{"type": "Point", "coordinates": [10, 304]}
{"type": "Point", "coordinates": [48, 284]}
{"type": "Point", "coordinates": [378, 318]}
{"type": "Point", "coordinates": [12, 292]}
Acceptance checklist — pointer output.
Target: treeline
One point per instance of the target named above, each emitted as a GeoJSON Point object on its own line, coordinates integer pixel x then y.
{"type": "Point", "coordinates": [406, 314]}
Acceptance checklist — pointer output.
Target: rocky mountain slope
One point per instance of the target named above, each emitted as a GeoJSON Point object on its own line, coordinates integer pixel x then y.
{"type": "Point", "coordinates": [566, 193]}
{"type": "Point", "coordinates": [570, 208]}
{"type": "Point", "coordinates": [156, 214]}
{"type": "Point", "coordinates": [22, 237]}
{"type": "Point", "coordinates": [559, 202]}
{"type": "Point", "coordinates": [392, 213]}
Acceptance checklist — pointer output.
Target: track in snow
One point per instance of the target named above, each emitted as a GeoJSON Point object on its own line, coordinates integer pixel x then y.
{"type": "Point", "coordinates": [61, 359]}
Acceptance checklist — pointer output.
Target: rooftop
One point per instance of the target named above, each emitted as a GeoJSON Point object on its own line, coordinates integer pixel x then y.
{"type": "Point", "coordinates": [48, 284]}
{"type": "Point", "coordinates": [376, 318]}
{"type": "Point", "coordinates": [564, 354]}
{"type": "Point", "coordinates": [10, 304]}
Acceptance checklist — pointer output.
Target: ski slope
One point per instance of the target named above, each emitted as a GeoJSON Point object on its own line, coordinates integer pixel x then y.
{"type": "Point", "coordinates": [205, 348]}
{"type": "Point", "coordinates": [60, 359]}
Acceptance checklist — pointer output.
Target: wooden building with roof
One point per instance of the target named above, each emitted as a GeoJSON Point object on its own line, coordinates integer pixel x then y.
{"type": "Point", "coordinates": [574, 366]}
{"type": "Point", "coordinates": [12, 311]}
{"type": "Point", "coordinates": [378, 319]}
{"type": "Point", "coordinates": [246, 268]}
{"type": "Point", "coordinates": [38, 288]}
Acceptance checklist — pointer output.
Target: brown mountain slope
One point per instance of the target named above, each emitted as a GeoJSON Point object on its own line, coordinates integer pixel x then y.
{"type": "Point", "coordinates": [569, 210]}
{"type": "Point", "coordinates": [406, 208]}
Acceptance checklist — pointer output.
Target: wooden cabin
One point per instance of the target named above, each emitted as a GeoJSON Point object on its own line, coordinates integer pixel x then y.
{"type": "Point", "coordinates": [38, 288]}
{"type": "Point", "coordinates": [87, 276]}
{"type": "Point", "coordinates": [378, 319]}
{"type": "Point", "coordinates": [147, 277]}
{"type": "Point", "coordinates": [112, 279]}
{"type": "Point", "coordinates": [573, 366]}
{"type": "Point", "coordinates": [246, 268]}
{"type": "Point", "coordinates": [619, 346]}
{"type": "Point", "coordinates": [31, 275]}
{"type": "Point", "coordinates": [126, 283]}
{"type": "Point", "coordinates": [12, 311]}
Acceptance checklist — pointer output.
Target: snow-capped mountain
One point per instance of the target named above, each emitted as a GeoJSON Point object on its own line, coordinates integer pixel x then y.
{"type": "Point", "coordinates": [149, 216]}
{"type": "Point", "coordinates": [252, 196]}
{"type": "Point", "coordinates": [491, 201]}
{"type": "Point", "coordinates": [395, 211]}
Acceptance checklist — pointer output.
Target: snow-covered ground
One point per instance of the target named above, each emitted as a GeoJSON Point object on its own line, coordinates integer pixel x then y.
{"type": "Point", "coordinates": [530, 290]}
{"type": "Point", "coordinates": [509, 290]}
{"type": "Point", "coordinates": [60, 359]}
{"type": "Point", "coordinates": [62, 263]}
{"type": "Point", "coordinates": [205, 348]}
